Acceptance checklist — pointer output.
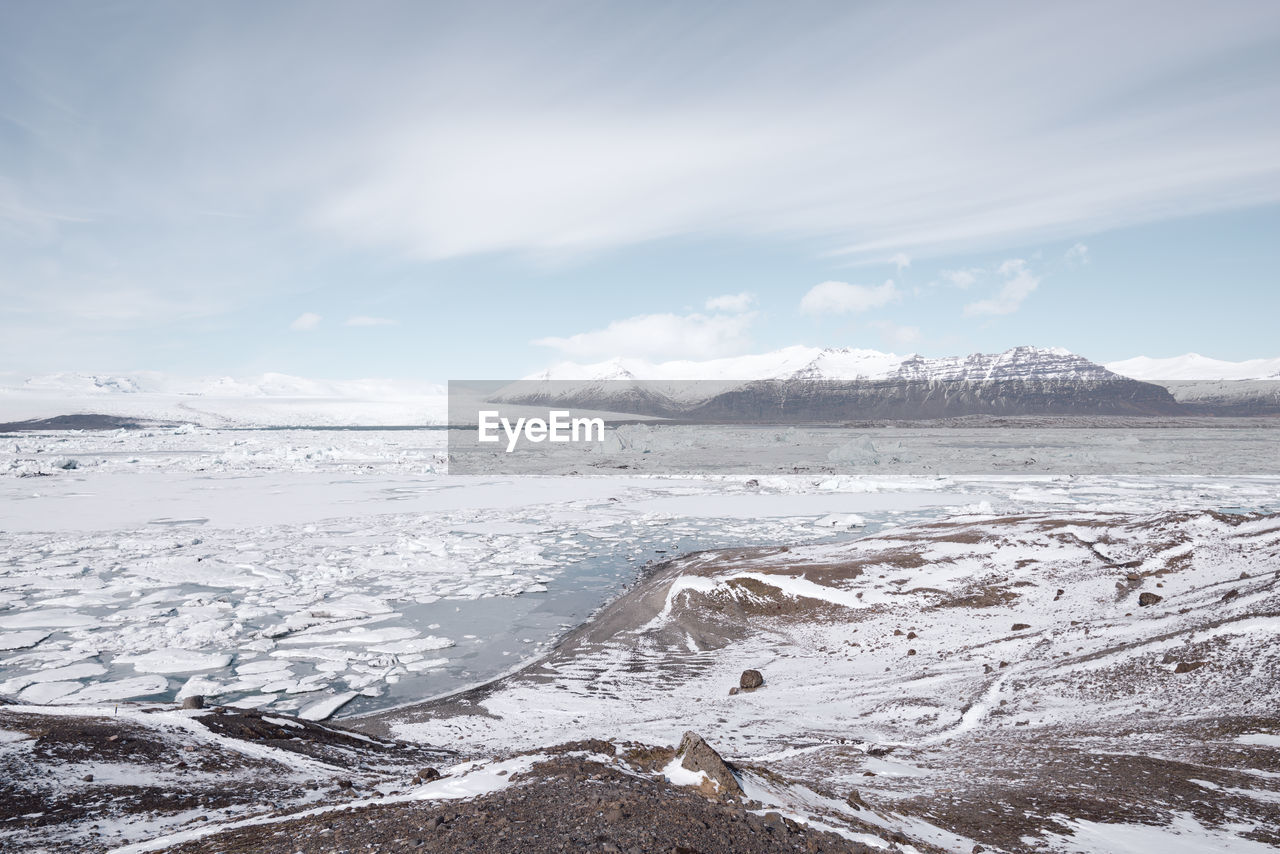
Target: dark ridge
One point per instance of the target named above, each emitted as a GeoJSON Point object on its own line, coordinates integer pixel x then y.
{"type": "Point", "coordinates": [85, 421]}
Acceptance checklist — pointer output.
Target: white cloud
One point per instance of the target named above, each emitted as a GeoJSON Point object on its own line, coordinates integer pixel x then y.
{"type": "Point", "coordinates": [843, 298]}
{"type": "Point", "coordinates": [306, 321]}
{"type": "Point", "coordinates": [365, 320]}
{"type": "Point", "coordinates": [1019, 283]}
{"type": "Point", "coordinates": [567, 163]}
{"type": "Point", "coordinates": [901, 260]}
{"type": "Point", "coordinates": [897, 336]}
{"type": "Point", "coordinates": [960, 278]}
{"type": "Point", "coordinates": [733, 303]}
{"type": "Point", "coordinates": [1078, 254]}
{"type": "Point", "coordinates": [659, 337]}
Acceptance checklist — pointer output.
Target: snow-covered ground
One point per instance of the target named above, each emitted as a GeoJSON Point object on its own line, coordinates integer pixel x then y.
{"type": "Point", "coordinates": [1193, 366]}
{"type": "Point", "coordinates": [326, 571]}
{"type": "Point", "coordinates": [269, 400]}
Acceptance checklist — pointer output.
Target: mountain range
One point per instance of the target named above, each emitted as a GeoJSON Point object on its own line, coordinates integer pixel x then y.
{"type": "Point", "coordinates": [821, 385]}
{"type": "Point", "coordinates": [800, 383]}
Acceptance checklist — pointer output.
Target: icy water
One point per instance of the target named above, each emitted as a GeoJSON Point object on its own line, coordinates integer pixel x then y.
{"type": "Point", "coordinates": [290, 569]}
{"type": "Point", "coordinates": [496, 635]}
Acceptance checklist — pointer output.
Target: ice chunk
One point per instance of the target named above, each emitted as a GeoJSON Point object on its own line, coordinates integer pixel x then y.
{"type": "Point", "coordinates": [22, 640]}
{"type": "Point", "coordinates": [121, 689]}
{"type": "Point", "coordinates": [325, 708]}
{"type": "Point", "coordinates": [171, 660]}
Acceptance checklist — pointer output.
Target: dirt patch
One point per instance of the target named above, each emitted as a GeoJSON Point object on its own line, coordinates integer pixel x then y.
{"type": "Point", "coordinates": [564, 804]}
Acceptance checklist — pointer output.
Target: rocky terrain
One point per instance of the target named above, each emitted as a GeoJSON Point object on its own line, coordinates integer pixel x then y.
{"type": "Point", "coordinates": [1066, 682]}
{"type": "Point", "coordinates": [1226, 397]}
{"type": "Point", "coordinates": [1023, 684]}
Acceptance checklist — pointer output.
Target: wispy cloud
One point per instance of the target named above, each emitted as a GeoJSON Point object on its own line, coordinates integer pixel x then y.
{"type": "Point", "coordinates": [305, 322]}
{"type": "Point", "coordinates": [1077, 255]}
{"type": "Point", "coordinates": [897, 336]}
{"type": "Point", "coordinates": [659, 336]}
{"type": "Point", "coordinates": [1019, 283]}
{"type": "Point", "coordinates": [960, 278]}
{"type": "Point", "coordinates": [844, 298]}
{"type": "Point", "coordinates": [972, 139]}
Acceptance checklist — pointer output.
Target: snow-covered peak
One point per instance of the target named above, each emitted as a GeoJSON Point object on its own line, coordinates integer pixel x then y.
{"type": "Point", "coordinates": [73, 383]}
{"type": "Point", "coordinates": [265, 400]}
{"type": "Point", "coordinates": [1193, 366]}
{"type": "Point", "coordinates": [833, 363]}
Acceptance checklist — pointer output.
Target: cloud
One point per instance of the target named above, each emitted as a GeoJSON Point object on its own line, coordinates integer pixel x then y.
{"type": "Point", "coordinates": [1078, 254]}
{"type": "Point", "coordinates": [660, 337]}
{"type": "Point", "coordinates": [570, 162]}
{"type": "Point", "coordinates": [897, 336]}
{"type": "Point", "coordinates": [733, 303]}
{"type": "Point", "coordinates": [844, 298]}
{"type": "Point", "coordinates": [952, 131]}
{"type": "Point", "coordinates": [365, 320]}
{"type": "Point", "coordinates": [1019, 284]}
{"type": "Point", "coordinates": [960, 278]}
{"type": "Point", "coordinates": [305, 322]}
{"type": "Point", "coordinates": [901, 260]}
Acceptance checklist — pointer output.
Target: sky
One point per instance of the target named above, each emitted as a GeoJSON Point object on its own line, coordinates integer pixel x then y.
{"type": "Point", "coordinates": [439, 190]}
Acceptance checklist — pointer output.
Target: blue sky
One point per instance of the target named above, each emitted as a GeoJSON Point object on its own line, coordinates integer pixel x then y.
{"type": "Point", "coordinates": [430, 191]}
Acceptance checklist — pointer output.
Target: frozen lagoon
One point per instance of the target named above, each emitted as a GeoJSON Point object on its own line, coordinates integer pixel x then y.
{"type": "Point", "coordinates": [322, 571]}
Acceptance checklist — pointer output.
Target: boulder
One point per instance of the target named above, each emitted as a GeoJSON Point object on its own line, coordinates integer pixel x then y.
{"type": "Point", "coordinates": [195, 701]}
{"type": "Point", "coordinates": [1148, 598]}
{"type": "Point", "coordinates": [696, 755]}
{"type": "Point", "coordinates": [750, 680]}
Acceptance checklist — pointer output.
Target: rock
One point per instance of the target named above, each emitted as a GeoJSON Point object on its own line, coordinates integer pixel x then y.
{"type": "Point", "coordinates": [1188, 666]}
{"type": "Point", "coordinates": [1229, 595]}
{"type": "Point", "coordinates": [911, 652]}
{"type": "Point", "coordinates": [195, 701]}
{"type": "Point", "coordinates": [855, 800]}
{"type": "Point", "coordinates": [733, 691]}
{"type": "Point", "coordinates": [344, 784]}
{"type": "Point", "coordinates": [1017, 627]}
{"type": "Point", "coordinates": [699, 756]}
{"type": "Point", "coordinates": [1149, 598]}
{"type": "Point", "coordinates": [912, 636]}
{"type": "Point", "coordinates": [1169, 658]}
{"type": "Point", "coordinates": [750, 680]}
{"type": "Point", "coordinates": [426, 775]}
{"type": "Point", "coordinates": [88, 778]}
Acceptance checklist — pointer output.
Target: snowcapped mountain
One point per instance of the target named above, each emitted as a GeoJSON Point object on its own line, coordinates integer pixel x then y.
{"type": "Point", "coordinates": [1205, 386]}
{"type": "Point", "coordinates": [267, 400]}
{"type": "Point", "coordinates": [68, 383]}
{"type": "Point", "coordinates": [1193, 366]}
{"type": "Point", "coordinates": [830, 363]}
{"type": "Point", "coordinates": [838, 384]}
